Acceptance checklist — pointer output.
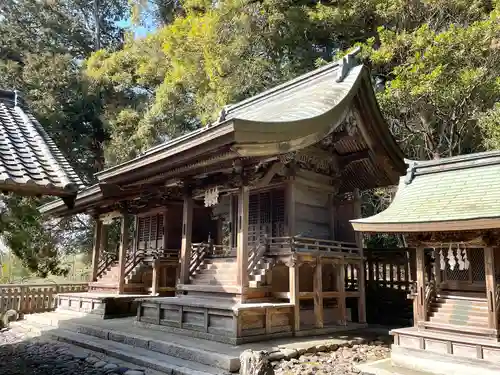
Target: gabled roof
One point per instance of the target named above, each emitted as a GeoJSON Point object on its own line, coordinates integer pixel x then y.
{"type": "Point", "coordinates": [289, 117]}
{"type": "Point", "coordinates": [30, 162]}
{"type": "Point", "coordinates": [457, 193]}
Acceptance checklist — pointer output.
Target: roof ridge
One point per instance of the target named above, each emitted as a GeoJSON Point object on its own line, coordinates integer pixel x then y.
{"type": "Point", "coordinates": [453, 163]}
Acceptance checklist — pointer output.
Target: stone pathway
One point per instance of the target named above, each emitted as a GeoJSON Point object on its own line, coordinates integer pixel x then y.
{"type": "Point", "coordinates": [333, 360]}
{"type": "Point", "coordinates": [21, 354]}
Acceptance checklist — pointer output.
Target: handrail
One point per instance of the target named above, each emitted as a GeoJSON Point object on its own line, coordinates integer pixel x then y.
{"type": "Point", "coordinates": [257, 253]}
{"type": "Point", "coordinates": [108, 258]}
{"type": "Point", "coordinates": [497, 302]}
{"type": "Point", "coordinates": [430, 294]}
{"type": "Point", "coordinates": [298, 243]}
{"type": "Point", "coordinates": [198, 254]}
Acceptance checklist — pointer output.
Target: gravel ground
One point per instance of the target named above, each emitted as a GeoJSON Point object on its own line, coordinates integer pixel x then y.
{"type": "Point", "coordinates": [339, 362]}
{"type": "Point", "coordinates": [21, 355]}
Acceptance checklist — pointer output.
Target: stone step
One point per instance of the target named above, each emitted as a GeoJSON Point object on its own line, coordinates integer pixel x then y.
{"type": "Point", "coordinates": [123, 331]}
{"type": "Point", "coordinates": [457, 322]}
{"type": "Point", "coordinates": [129, 353]}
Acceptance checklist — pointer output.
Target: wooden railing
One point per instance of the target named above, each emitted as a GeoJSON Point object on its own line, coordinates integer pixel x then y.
{"type": "Point", "coordinates": [198, 254]}
{"type": "Point", "coordinates": [256, 254]}
{"type": "Point", "coordinates": [430, 294]}
{"type": "Point", "coordinates": [34, 298]}
{"type": "Point", "coordinates": [297, 243]}
{"type": "Point", "coordinates": [106, 261]}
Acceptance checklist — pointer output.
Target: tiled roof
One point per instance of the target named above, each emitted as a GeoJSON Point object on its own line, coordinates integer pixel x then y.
{"type": "Point", "coordinates": [30, 162]}
{"type": "Point", "coordinates": [441, 193]}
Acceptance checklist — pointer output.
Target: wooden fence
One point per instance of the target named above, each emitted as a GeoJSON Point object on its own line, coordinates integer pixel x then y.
{"type": "Point", "coordinates": [34, 298]}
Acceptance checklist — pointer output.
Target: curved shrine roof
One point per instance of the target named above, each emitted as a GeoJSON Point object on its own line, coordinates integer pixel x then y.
{"type": "Point", "coordinates": [451, 194]}
{"type": "Point", "coordinates": [30, 162]}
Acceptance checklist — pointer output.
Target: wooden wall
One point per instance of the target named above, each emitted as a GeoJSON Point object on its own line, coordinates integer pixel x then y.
{"type": "Point", "coordinates": [312, 212]}
{"type": "Point", "coordinates": [344, 211]}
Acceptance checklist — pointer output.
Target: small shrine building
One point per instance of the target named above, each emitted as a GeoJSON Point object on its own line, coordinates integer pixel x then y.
{"type": "Point", "coordinates": [239, 231]}
{"type": "Point", "coordinates": [449, 210]}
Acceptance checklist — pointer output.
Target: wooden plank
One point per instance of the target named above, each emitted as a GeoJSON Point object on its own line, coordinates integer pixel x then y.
{"type": "Point", "coordinates": [318, 295]}
{"type": "Point", "coordinates": [187, 230]}
{"type": "Point", "coordinates": [294, 294]}
{"type": "Point", "coordinates": [122, 256]}
{"type": "Point", "coordinates": [491, 287]}
{"type": "Point", "coordinates": [242, 239]}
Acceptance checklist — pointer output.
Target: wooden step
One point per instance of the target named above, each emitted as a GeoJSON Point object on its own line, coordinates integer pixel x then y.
{"type": "Point", "coordinates": [470, 314]}
{"type": "Point", "coordinates": [458, 328]}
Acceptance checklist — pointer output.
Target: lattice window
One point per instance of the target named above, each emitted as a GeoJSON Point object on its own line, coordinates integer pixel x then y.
{"type": "Point", "coordinates": [473, 273]}
{"type": "Point", "coordinates": [161, 229]}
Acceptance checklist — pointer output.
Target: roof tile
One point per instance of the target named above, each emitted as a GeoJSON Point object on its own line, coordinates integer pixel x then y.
{"type": "Point", "coordinates": [28, 156]}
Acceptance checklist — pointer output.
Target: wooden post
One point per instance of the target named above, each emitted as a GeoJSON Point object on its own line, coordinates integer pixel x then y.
{"type": "Point", "coordinates": [437, 269]}
{"type": "Point", "coordinates": [331, 215]}
{"type": "Point", "coordinates": [242, 239]}
{"type": "Point", "coordinates": [419, 314]}
{"type": "Point", "coordinates": [318, 294]}
{"type": "Point", "coordinates": [290, 207]}
{"type": "Point", "coordinates": [122, 256]}
{"type": "Point", "coordinates": [96, 251]}
{"type": "Point", "coordinates": [165, 232]}
{"type": "Point", "coordinates": [187, 229]}
{"type": "Point", "coordinates": [293, 269]}
{"type": "Point", "coordinates": [491, 287]}
{"type": "Point", "coordinates": [361, 267]}
{"type": "Point", "coordinates": [154, 284]}
{"type": "Point", "coordinates": [341, 289]}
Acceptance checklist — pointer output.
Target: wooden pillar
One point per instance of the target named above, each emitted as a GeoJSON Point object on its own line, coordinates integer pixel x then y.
{"type": "Point", "coordinates": [437, 269]}
{"type": "Point", "coordinates": [154, 283]}
{"type": "Point", "coordinates": [242, 239]}
{"type": "Point", "coordinates": [99, 243]}
{"type": "Point", "coordinates": [361, 268]}
{"type": "Point", "coordinates": [331, 216]}
{"type": "Point", "coordinates": [122, 255]}
{"type": "Point", "coordinates": [293, 269]}
{"type": "Point", "coordinates": [420, 314]}
{"type": "Point", "coordinates": [290, 207]}
{"type": "Point", "coordinates": [341, 289]}
{"type": "Point", "coordinates": [165, 231]}
{"type": "Point", "coordinates": [491, 287]}
{"type": "Point", "coordinates": [187, 230]}
{"type": "Point", "coordinates": [318, 294]}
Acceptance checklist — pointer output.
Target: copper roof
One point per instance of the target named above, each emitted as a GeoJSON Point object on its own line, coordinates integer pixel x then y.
{"type": "Point", "coordinates": [30, 162]}
{"type": "Point", "coordinates": [457, 193]}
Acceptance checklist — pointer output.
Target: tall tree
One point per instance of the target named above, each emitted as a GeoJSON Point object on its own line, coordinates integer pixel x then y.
{"type": "Point", "coordinates": [42, 48]}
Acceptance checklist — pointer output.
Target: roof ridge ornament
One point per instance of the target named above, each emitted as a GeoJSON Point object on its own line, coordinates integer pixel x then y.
{"type": "Point", "coordinates": [410, 172]}
{"type": "Point", "coordinates": [346, 63]}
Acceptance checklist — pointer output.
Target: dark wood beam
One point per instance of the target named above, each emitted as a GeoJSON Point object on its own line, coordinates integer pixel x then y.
{"type": "Point", "coordinates": [346, 159]}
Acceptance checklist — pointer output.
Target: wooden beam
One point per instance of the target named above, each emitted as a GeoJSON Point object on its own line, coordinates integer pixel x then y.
{"type": "Point", "coordinates": [290, 207]}
{"type": "Point", "coordinates": [318, 294]}
{"type": "Point", "coordinates": [242, 238]}
{"type": "Point", "coordinates": [268, 176]}
{"type": "Point", "coordinates": [187, 230]}
{"type": "Point", "coordinates": [97, 248]}
{"type": "Point", "coordinates": [122, 256]}
{"type": "Point", "coordinates": [491, 287]}
{"type": "Point", "coordinates": [345, 160]}
{"type": "Point", "coordinates": [154, 283]}
{"type": "Point", "coordinates": [419, 314]}
{"type": "Point", "coordinates": [294, 294]}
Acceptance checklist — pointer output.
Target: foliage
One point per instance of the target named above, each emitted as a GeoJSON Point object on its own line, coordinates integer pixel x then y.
{"type": "Point", "coordinates": [42, 47]}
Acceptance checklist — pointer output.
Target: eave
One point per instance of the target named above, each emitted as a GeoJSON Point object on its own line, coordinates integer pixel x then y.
{"type": "Point", "coordinates": [437, 226]}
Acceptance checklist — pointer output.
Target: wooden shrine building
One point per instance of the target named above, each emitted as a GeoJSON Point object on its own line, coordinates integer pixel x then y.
{"type": "Point", "coordinates": [449, 210]}
{"type": "Point", "coordinates": [247, 219]}
{"type": "Point", "coordinates": [30, 162]}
